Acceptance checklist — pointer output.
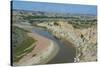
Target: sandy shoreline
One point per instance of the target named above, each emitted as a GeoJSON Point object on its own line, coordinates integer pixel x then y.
{"type": "Point", "coordinates": [45, 50]}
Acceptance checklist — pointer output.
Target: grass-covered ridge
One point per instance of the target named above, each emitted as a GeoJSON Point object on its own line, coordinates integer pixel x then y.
{"type": "Point", "coordinates": [22, 44]}
{"type": "Point", "coordinates": [18, 35]}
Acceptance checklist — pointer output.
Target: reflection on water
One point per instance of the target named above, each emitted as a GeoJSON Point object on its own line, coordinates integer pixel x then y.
{"type": "Point", "coordinates": [66, 53]}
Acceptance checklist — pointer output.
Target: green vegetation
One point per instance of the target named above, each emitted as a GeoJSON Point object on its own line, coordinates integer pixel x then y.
{"type": "Point", "coordinates": [83, 23]}
{"type": "Point", "coordinates": [77, 20]}
{"type": "Point", "coordinates": [22, 44]}
{"type": "Point", "coordinates": [34, 17]}
{"type": "Point", "coordinates": [20, 49]}
{"type": "Point", "coordinates": [56, 24]}
{"type": "Point", "coordinates": [82, 35]}
{"type": "Point", "coordinates": [18, 35]}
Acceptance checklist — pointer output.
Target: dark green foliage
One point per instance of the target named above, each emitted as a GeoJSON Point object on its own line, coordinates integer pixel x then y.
{"type": "Point", "coordinates": [33, 17]}
{"type": "Point", "coordinates": [82, 36]}
{"type": "Point", "coordinates": [82, 23]}
{"type": "Point", "coordinates": [56, 24]}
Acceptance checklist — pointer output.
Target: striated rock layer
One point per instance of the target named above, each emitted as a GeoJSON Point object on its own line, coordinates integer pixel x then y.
{"type": "Point", "coordinates": [84, 39]}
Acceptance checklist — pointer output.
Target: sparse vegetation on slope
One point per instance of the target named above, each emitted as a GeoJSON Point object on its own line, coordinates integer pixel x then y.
{"type": "Point", "coordinates": [83, 23]}
{"type": "Point", "coordinates": [20, 42]}
{"type": "Point", "coordinates": [80, 30]}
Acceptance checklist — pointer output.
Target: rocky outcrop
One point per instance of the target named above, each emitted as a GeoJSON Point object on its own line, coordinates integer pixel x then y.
{"type": "Point", "coordinates": [84, 40]}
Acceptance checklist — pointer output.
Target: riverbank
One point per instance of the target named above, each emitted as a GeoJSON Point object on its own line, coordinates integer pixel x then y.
{"type": "Point", "coordinates": [60, 53]}
{"type": "Point", "coordinates": [83, 39]}
{"type": "Point", "coordinates": [44, 51]}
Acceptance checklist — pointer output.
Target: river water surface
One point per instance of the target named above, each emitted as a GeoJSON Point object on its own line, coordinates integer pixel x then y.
{"type": "Point", "coordinates": [66, 53]}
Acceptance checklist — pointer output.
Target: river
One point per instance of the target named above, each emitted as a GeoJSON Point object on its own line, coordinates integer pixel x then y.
{"type": "Point", "coordinates": [66, 53]}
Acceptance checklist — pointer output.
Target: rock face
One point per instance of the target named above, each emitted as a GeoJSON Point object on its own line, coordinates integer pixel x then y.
{"type": "Point", "coordinates": [84, 40]}
{"type": "Point", "coordinates": [89, 49]}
